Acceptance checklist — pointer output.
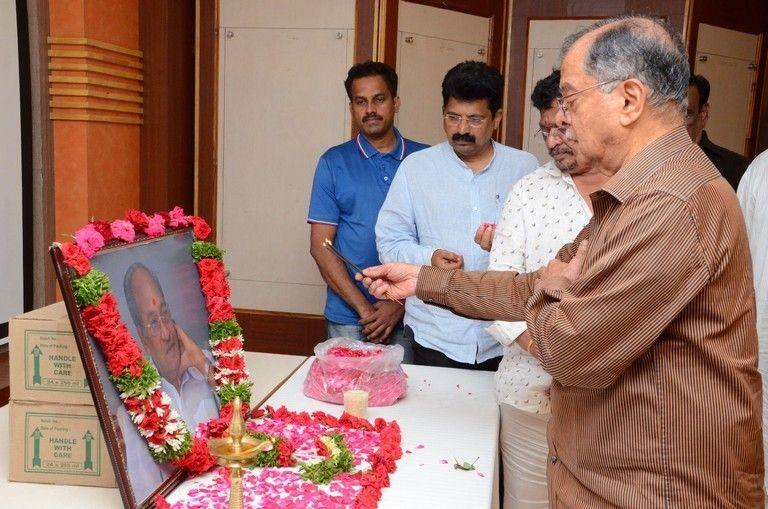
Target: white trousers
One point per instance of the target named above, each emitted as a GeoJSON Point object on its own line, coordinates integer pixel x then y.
{"type": "Point", "coordinates": [524, 454]}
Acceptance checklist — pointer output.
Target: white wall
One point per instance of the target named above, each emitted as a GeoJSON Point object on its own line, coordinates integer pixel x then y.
{"type": "Point", "coordinates": [11, 296]}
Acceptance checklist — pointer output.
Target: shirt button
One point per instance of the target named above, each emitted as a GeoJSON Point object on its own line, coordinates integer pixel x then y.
{"type": "Point", "coordinates": [386, 179]}
{"type": "Point", "coordinates": [553, 459]}
{"type": "Point", "coordinates": [474, 208]}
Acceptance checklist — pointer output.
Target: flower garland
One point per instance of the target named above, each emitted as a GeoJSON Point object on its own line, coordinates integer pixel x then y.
{"type": "Point", "coordinates": [167, 436]}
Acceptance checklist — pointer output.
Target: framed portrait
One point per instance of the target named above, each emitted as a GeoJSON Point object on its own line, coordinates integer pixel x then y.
{"type": "Point", "coordinates": [157, 291]}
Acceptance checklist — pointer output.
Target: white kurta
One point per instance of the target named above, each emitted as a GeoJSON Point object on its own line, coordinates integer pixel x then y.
{"type": "Point", "coordinates": [542, 212]}
{"type": "Point", "coordinates": [753, 196]}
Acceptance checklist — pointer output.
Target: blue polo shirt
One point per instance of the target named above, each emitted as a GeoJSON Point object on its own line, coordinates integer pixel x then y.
{"type": "Point", "coordinates": [350, 184]}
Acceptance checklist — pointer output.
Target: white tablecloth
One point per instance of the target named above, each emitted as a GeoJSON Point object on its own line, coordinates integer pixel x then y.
{"type": "Point", "coordinates": [446, 414]}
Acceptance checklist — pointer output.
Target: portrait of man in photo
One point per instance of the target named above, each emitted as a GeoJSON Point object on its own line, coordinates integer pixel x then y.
{"type": "Point", "coordinates": [186, 371]}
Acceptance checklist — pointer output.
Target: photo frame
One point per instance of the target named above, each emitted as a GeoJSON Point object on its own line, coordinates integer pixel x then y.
{"type": "Point", "coordinates": [161, 348]}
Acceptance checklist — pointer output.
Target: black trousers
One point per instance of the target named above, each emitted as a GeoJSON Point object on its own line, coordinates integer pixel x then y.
{"type": "Point", "coordinates": [424, 356]}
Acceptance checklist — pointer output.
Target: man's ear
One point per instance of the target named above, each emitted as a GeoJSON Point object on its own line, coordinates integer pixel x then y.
{"type": "Point", "coordinates": [397, 103]}
{"type": "Point", "coordinates": [497, 118]}
{"type": "Point", "coordinates": [633, 95]}
{"type": "Point", "coordinates": [704, 114]}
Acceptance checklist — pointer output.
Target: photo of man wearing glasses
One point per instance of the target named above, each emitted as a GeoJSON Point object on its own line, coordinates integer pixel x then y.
{"type": "Point", "coordinates": [185, 369]}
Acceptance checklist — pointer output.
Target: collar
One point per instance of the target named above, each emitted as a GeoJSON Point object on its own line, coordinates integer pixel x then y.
{"type": "Point", "coordinates": [367, 150]}
{"type": "Point", "coordinates": [551, 169]}
{"type": "Point", "coordinates": [638, 169]}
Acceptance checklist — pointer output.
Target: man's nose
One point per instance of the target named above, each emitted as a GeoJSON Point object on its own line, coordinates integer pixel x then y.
{"type": "Point", "coordinates": [463, 126]}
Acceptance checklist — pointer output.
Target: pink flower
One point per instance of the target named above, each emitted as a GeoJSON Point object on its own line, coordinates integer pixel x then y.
{"type": "Point", "coordinates": [156, 226]}
{"type": "Point", "coordinates": [177, 218]}
{"type": "Point", "coordinates": [89, 240]}
{"type": "Point", "coordinates": [123, 230]}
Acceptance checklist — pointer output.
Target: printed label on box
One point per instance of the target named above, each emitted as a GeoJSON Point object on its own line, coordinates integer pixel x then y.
{"type": "Point", "coordinates": [51, 364]}
{"type": "Point", "coordinates": [62, 444]}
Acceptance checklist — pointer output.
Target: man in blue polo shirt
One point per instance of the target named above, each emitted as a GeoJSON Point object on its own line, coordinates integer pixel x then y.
{"type": "Point", "coordinates": [350, 184]}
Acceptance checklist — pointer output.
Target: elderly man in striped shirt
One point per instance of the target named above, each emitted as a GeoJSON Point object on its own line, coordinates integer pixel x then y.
{"type": "Point", "coordinates": [646, 322]}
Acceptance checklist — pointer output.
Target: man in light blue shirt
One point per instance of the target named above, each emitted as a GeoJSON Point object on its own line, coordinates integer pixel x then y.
{"type": "Point", "coordinates": [438, 199]}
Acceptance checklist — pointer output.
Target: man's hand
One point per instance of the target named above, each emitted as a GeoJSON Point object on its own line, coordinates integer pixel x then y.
{"type": "Point", "coordinates": [192, 355]}
{"type": "Point", "coordinates": [378, 325]}
{"type": "Point", "coordinates": [484, 235]}
{"type": "Point", "coordinates": [391, 281]}
{"type": "Point", "coordinates": [444, 259]}
{"type": "Point", "coordinates": [570, 270]}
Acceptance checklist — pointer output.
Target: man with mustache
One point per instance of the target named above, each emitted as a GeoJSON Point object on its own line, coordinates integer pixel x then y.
{"type": "Point", "coordinates": [351, 181]}
{"type": "Point", "coordinates": [439, 198]}
{"type": "Point", "coordinates": [544, 210]}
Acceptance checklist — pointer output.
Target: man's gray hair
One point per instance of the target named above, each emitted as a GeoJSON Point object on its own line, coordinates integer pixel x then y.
{"type": "Point", "coordinates": [655, 55]}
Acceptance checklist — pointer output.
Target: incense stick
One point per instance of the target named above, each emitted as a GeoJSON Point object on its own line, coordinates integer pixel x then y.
{"type": "Point", "coordinates": [328, 244]}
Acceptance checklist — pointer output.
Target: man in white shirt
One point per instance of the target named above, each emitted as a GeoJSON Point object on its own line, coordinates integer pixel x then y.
{"type": "Point", "coordinates": [185, 369]}
{"type": "Point", "coordinates": [753, 196]}
{"type": "Point", "coordinates": [543, 211]}
{"type": "Point", "coordinates": [437, 200]}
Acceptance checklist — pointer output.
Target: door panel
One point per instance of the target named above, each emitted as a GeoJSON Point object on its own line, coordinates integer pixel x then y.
{"type": "Point", "coordinates": [545, 37]}
{"type": "Point", "coordinates": [282, 106]}
{"type": "Point", "coordinates": [422, 62]}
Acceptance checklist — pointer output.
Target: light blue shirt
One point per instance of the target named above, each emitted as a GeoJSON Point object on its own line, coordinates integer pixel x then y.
{"type": "Point", "coordinates": [436, 202]}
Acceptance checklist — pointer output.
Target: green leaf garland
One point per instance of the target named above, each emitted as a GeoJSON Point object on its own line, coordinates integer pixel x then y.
{"type": "Point", "coordinates": [223, 330]}
{"type": "Point", "coordinates": [202, 249]}
{"type": "Point", "coordinates": [90, 288]}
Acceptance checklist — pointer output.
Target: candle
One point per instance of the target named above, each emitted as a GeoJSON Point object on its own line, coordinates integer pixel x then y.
{"type": "Point", "coordinates": [356, 402]}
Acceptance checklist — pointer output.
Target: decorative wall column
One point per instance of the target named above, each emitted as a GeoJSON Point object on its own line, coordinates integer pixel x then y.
{"type": "Point", "coordinates": [96, 107]}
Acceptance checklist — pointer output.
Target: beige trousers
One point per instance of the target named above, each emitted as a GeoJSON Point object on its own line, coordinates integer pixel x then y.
{"type": "Point", "coordinates": [524, 453]}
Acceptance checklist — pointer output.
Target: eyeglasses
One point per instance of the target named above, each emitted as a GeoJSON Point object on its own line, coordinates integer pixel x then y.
{"type": "Point", "coordinates": [564, 103]}
{"type": "Point", "coordinates": [456, 120]}
{"type": "Point", "coordinates": [555, 131]}
{"type": "Point", "coordinates": [163, 319]}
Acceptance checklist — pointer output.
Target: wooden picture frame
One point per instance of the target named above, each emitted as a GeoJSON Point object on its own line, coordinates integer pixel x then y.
{"type": "Point", "coordinates": [164, 263]}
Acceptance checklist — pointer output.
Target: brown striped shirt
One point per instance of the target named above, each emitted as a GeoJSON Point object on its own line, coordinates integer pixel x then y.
{"type": "Point", "coordinates": [656, 400]}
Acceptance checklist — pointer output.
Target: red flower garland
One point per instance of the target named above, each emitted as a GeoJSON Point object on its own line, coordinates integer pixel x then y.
{"type": "Point", "coordinates": [150, 408]}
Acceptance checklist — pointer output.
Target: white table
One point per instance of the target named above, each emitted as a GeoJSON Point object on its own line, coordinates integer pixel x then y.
{"type": "Point", "coordinates": [267, 371]}
{"type": "Point", "coordinates": [450, 413]}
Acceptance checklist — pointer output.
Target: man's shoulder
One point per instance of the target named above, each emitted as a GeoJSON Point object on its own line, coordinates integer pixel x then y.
{"type": "Point", "coordinates": [684, 175]}
{"type": "Point", "coordinates": [724, 155]}
{"type": "Point", "coordinates": [515, 153]}
{"type": "Point", "coordinates": [422, 156]}
{"type": "Point", "coordinates": [546, 173]}
{"type": "Point", "coordinates": [413, 146]}
{"type": "Point", "coordinates": [340, 151]}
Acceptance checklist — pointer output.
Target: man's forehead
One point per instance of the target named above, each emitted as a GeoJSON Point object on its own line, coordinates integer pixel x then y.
{"type": "Point", "coordinates": [369, 86]}
{"type": "Point", "coordinates": [572, 65]}
{"type": "Point", "coordinates": [476, 107]}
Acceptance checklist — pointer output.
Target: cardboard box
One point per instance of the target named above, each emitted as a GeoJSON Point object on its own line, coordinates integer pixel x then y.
{"type": "Point", "coordinates": [44, 360]}
{"type": "Point", "coordinates": [58, 444]}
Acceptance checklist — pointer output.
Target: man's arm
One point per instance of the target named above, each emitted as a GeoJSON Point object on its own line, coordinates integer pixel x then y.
{"type": "Point", "coordinates": [333, 270]}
